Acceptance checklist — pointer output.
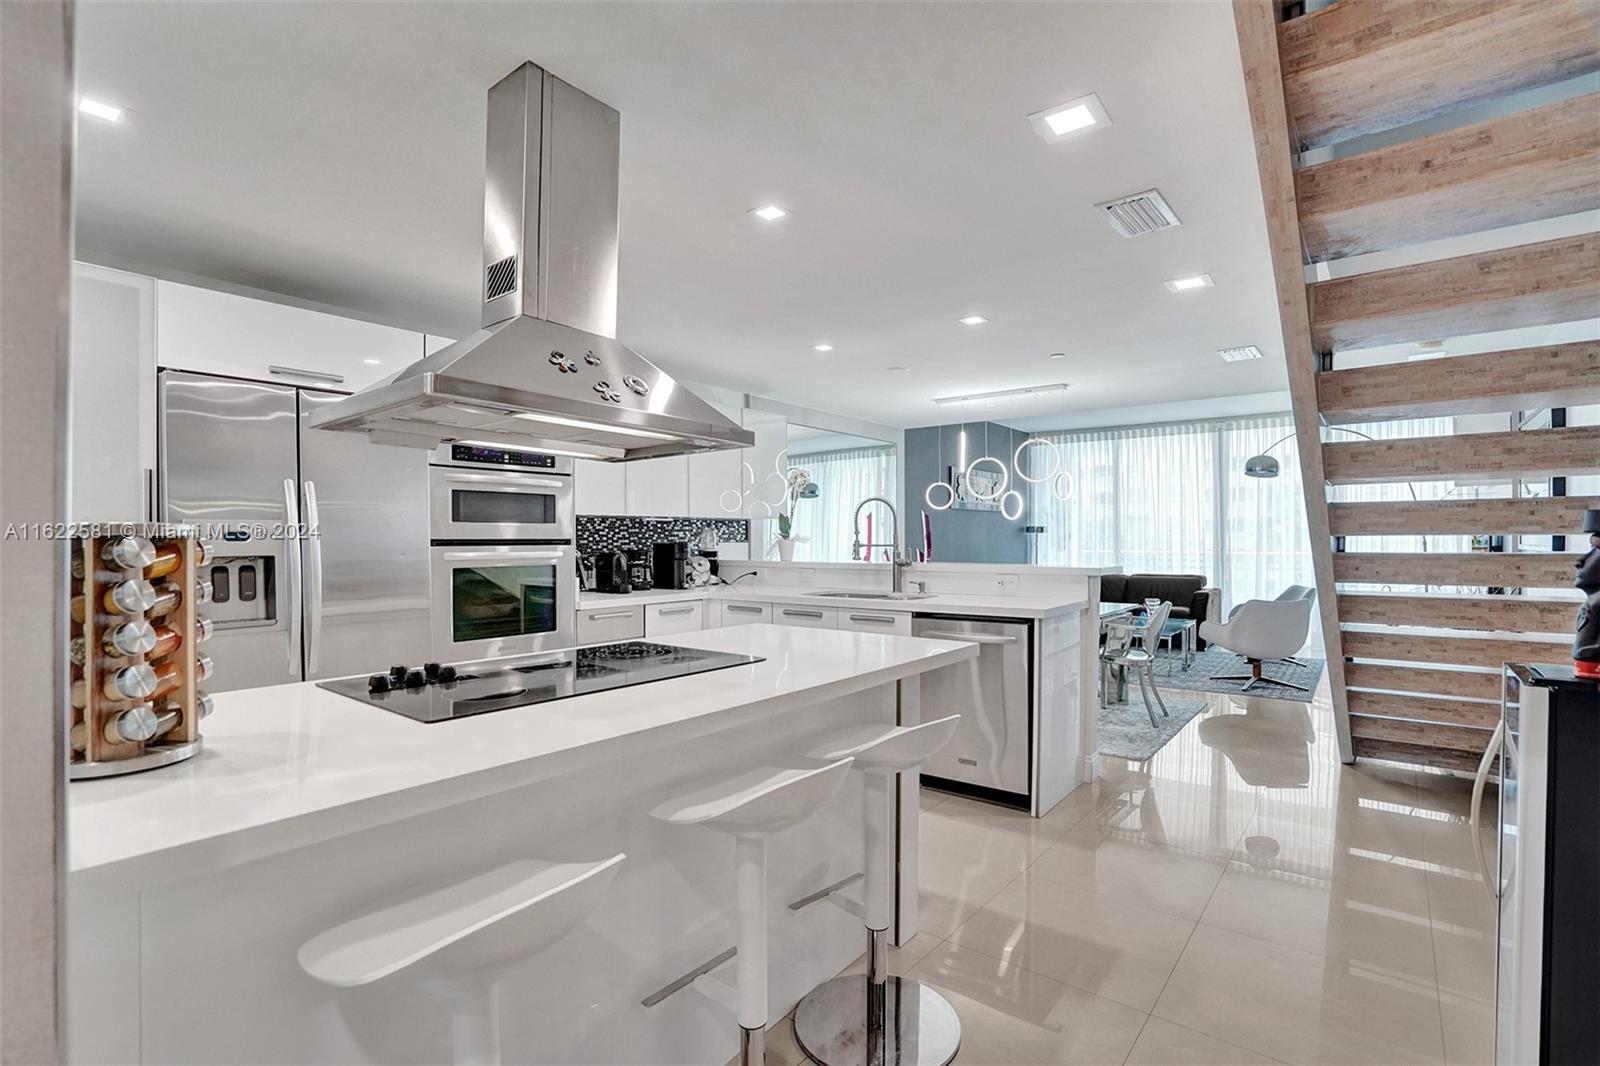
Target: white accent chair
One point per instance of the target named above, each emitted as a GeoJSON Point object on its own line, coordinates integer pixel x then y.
{"type": "Point", "coordinates": [1263, 630]}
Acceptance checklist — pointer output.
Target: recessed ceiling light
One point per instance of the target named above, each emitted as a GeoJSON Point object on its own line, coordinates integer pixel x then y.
{"type": "Point", "coordinates": [1001, 394]}
{"type": "Point", "coordinates": [1057, 123]}
{"type": "Point", "coordinates": [822, 347]}
{"type": "Point", "coordinates": [1058, 355]}
{"type": "Point", "coordinates": [973, 320]}
{"type": "Point", "coordinates": [1240, 354]}
{"type": "Point", "coordinates": [99, 109]}
{"type": "Point", "coordinates": [373, 362]}
{"type": "Point", "coordinates": [1189, 284]}
{"type": "Point", "coordinates": [899, 369]}
{"type": "Point", "coordinates": [769, 212]}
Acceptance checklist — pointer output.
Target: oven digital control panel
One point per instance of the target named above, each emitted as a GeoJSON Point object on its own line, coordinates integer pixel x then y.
{"type": "Point", "coordinates": [477, 453]}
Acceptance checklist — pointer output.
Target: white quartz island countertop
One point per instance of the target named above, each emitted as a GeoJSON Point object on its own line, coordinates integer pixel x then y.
{"type": "Point", "coordinates": [291, 765]}
{"type": "Point", "coordinates": [1046, 605]}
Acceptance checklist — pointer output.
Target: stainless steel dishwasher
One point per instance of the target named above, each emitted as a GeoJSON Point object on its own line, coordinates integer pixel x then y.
{"type": "Point", "coordinates": [993, 694]}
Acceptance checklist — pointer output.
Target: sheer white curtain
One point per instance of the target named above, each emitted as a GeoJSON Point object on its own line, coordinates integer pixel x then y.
{"type": "Point", "coordinates": [843, 478]}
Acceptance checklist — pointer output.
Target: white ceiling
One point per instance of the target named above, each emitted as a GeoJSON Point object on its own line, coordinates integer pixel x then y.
{"type": "Point", "coordinates": [333, 152]}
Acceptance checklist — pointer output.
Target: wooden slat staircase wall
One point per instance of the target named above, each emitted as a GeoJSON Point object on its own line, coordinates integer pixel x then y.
{"type": "Point", "coordinates": [1415, 674]}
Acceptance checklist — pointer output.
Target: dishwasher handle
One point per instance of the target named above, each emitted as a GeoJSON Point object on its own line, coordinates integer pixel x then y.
{"type": "Point", "coordinates": [971, 638]}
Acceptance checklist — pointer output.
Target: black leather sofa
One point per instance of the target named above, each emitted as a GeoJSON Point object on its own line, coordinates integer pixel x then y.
{"type": "Point", "coordinates": [1188, 593]}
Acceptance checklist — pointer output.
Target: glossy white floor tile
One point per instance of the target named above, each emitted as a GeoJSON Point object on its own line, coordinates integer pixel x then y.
{"type": "Point", "coordinates": [1241, 897]}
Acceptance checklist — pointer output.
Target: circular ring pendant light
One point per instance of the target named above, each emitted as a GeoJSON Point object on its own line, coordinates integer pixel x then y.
{"type": "Point", "coordinates": [1055, 486]}
{"type": "Point", "coordinates": [950, 495]}
{"type": "Point", "coordinates": [1007, 511]}
{"type": "Point", "coordinates": [722, 501]}
{"type": "Point", "coordinates": [1055, 461]}
{"type": "Point", "coordinates": [1005, 478]}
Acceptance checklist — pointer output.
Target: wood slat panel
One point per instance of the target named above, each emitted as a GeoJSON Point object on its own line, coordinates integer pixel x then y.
{"type": "Point", "coordinates": [1512, 614]}
{"type": "Point", "coordinates": [1256, 26]}
{"type": "Point", "coordinates": [1456, 651]}
{"type": "Point", "coordinates": [1518, 379]}
{"type": "Point", "coordinates": [1497, 569]}
{"type": "Point", "coordinates": [1425, 709]}
{"type": "Point", "coordinates": [1529, 285]}
{"type": "Point", "coordinates": [1451, 737]}
{"type": "Point", "coordinates": [1423, 679]}
{"type": "Point", "coordinates": [1419, 754]}
{"type": "Point", "coordinates": [1515, 454]}
{"type": "Point", "coordinates": [1358, 68]}
{"type": "Point", "coordinates": [1558, 514]}
{"type": "Point", "coordinates": [1530, 165]}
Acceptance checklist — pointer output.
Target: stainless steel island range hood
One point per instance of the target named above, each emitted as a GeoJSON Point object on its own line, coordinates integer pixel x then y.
{"type": "Point", "coordinates": [545, 371]}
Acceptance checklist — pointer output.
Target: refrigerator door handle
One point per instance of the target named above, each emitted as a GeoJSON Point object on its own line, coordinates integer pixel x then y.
{"type": "Point", "coordinates": [291, 556]}
{"type": "Point", "coordinates": [1491, 878]}
{"type": "Point", "coordinates": [314, 579]}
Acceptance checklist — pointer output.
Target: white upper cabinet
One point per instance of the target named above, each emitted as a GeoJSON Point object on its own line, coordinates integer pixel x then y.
{"type": "Point", "coordinates": [220, 333]}
{"type": "Point", "coordinates": [764, 484]}
{"type": "Point", "coordinates": [716, 478]}
{"type": "Point", "coordinates": [600, 488]}
{"type": "Point", "coordinates": [658, 487]}
{"type": "Point", "coordinates": [112, 400]}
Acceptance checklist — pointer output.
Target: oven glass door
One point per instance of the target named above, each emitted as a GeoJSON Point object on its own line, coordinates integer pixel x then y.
{"type": "Point", "coordinates": [502, 600]}
{"type": "Point", "coordinates": [493, 505]}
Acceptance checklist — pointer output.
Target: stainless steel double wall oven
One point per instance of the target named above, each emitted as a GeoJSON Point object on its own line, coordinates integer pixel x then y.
{"type": "Point", "coordinates": [503, 566]}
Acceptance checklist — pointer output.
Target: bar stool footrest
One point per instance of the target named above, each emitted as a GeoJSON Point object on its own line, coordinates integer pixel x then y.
{"type": "Point", "coordinates": [918, 1027]}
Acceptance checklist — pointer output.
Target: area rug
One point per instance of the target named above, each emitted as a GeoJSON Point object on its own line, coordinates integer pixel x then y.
{"type": "Point", "coordinates": [1215, 660]}
{"type": "Point", "coordinates": [1124, 728]}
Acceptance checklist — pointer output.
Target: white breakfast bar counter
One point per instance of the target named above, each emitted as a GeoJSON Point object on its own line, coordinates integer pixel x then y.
{"type": "Point", "coordinates": [192, 887]}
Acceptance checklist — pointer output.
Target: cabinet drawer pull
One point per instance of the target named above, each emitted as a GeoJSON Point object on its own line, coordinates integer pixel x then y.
{"type": "Point", "coordinates": [788, 613]}
{"type": "Point", "coordinates": [675, 610]}
{"type": "Point", "coordinates": [742, 608]}
{"type": "Point", "coordinates": [875, 619]}
{"type": "Point", "coordinates": [314, 375]}
{"type": "Point", "coordinates": [598, 615]}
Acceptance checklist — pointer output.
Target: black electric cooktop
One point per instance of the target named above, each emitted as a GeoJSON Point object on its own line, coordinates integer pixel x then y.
{"type": "Point", "coordinates": [438, 694]}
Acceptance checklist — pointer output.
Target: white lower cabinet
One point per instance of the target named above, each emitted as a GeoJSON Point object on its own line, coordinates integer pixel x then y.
{"type": "Point", "coordinates": [742, 612]}
{"type": "Point", "coordinates": [664, 619]}
{"type": "Point", "coordinates": [603, 625]}
{"type": "Point", "coordinates": [868, 621]}
{"type": "Point", "coordinates": [788, 614]}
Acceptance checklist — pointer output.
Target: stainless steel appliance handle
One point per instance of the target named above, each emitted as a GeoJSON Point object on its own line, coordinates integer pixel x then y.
{"type": "Point", "coordinates": [314, 582]}
{"type": "Point", "coordinates": [314, 375]}
{"type": "Point", "coordinates": [625, 613]}
{"type": "Point", "coordinates": [502, 557]}
{"type": "Point", "coordinates": [149, 494]}
{"type": "Point", "coordinates": [790, 612]}
{"type": "Point", "coordinates": [291, 558]}
{"type": "Point", "coordinates": [1491, 879]}
{"type": "Point", "coordinates": [665, 611]}
{"type": "Point", "coordinates": [875, 619]}
{"type": "Point", "coordinates": [509, 480]}
{"type": "Point", "coordinates": [742, 608]}
{"type": "Point", "coordinates": [972, 638]}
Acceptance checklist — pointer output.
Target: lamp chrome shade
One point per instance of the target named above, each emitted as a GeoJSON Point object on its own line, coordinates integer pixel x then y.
{"type": "Point", "coordinates": [1261, 466]}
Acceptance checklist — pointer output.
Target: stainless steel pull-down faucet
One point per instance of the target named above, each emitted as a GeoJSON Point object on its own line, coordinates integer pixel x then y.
{"type": "Point", "coordinates": [900, 560]}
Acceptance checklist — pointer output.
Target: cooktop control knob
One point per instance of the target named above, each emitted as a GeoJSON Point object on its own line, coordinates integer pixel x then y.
{"type": "Point", "coordinates": [447, 673]}
{"type": "Point", "coordinates": [430, 671]}
{"type": "Point", "coordinates": [378, 683]}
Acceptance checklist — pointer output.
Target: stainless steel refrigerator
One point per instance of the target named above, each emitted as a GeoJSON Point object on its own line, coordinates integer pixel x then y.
{"type": "Point", "coordinates": [238, 458]}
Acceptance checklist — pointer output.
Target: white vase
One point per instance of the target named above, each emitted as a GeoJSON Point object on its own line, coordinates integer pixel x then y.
{"type": "Point", "coordinates": [786, 549]}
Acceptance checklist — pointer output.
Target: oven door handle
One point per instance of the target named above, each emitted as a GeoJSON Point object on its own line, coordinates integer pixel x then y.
{"type": "Point", "coordinates": [291, 557]}
{"type": "Point", "coordinates": [502, 557]}
{"type": "Point", "coordinates": [509, 481]}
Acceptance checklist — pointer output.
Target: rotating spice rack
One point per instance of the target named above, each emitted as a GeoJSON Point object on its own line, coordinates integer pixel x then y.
{"type": "Point", "coordinates": [93, 752]}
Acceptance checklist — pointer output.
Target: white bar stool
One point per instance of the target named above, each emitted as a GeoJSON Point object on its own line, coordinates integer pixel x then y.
{"type": "Point", "coordinates": [752, 806]}
{"type": "Point", "coordinates": [873, 1019]}
{"type": "Point", "coordinates": [458, 939]}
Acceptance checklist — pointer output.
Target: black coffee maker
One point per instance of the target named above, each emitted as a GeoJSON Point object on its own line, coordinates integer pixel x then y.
{"type": "Point", "coordinates": [611, 573]}
{"type": "Point", "coordinates": [669, 564]}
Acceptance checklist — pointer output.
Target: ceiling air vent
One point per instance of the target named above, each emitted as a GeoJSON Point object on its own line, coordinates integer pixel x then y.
{"type": "Point", "coordinates": [502, 277]}
{"type": "Point", "coordinates": [1141, 213]}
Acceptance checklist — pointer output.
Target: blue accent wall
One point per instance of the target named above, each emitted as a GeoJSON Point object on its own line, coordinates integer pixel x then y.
{"type": "Point", "coordinates": [961, 536]}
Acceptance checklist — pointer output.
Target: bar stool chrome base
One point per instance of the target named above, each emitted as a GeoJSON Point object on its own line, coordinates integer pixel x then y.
{"type": "Point", "coordinates": [916, 1025]}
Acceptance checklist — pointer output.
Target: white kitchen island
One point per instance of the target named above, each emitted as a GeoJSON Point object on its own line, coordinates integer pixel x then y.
{"type": "Point", "coordinates": [193, 887]}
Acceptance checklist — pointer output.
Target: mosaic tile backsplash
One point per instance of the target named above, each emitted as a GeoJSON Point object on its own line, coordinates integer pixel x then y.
{"type": "Point", "coordinates": [604, 532]}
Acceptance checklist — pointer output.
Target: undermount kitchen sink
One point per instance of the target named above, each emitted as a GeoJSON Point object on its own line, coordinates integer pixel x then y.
{"type": "Point", "coordinates": [851, 594]}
